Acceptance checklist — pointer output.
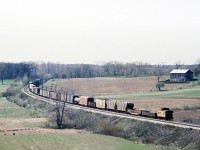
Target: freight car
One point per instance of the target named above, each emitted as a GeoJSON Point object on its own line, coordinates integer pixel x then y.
{"type": "Point", "coordinates": [164, 113]}
{"type": "Point", "coordinates": [100, 103]}
{"type": "Point", "coordinates": [112, 105]}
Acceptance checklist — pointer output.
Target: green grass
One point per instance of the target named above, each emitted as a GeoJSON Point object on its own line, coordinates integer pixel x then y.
{"type": "Point", "coordinates": [69, 142]}
{"type": "Point", "coordinates": [5, 85]}
{"type": "Point", "coordinates": [180, 93]}
{"type": "Point", "coordinates": [8, 109]}
{"type": "Point", "coordinates": [11, 110]}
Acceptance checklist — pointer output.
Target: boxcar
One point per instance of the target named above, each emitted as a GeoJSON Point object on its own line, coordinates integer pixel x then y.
{"type": "Point", "coordinates": [124, 106]}
{"type": "Point", "coordinates": [58, 96]}
{"type": "Point", "coordinates": [69, 98]}
{"type": "Point", "coordinates": [91, 102]}
{"type": "Point", "coordinates": [83, 100]}
{"type": "Point", "coordinates": [53, 95]}
{"type": "Point", "coordinates": [31, 86]}
{"type": "Point", "coordinates": [63, 97]}
{"type": "Point", "coordinates": [111, 105]}
{"type": "Point", "coordinates": [36, 90]}
{"type": "Point", "coordinates": [44, 93]}
{"type": "Point", "coordinates": [100, 103]}
{"type": "Point", "coordinates": [121, 106]}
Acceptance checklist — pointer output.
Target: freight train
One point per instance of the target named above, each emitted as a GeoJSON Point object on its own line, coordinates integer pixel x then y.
{"type": "Point", "coordinates": [104, 104]}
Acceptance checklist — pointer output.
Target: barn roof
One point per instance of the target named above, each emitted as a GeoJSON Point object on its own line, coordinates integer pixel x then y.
{"type": "Point", "coordinates": [180, 70]}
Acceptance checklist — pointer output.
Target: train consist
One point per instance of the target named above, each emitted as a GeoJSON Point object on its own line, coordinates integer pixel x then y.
{"type": "Point", "coordinates": [104, 104]}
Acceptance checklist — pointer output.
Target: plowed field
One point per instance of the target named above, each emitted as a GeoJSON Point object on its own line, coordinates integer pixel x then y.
{"type": "Point", "coordinates": [140, 90]}
{"type": "Point", "coordinates": [109, 86]}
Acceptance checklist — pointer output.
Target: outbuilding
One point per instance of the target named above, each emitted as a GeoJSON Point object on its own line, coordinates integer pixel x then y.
{"type": "Point", "coordinates": [181, 75]}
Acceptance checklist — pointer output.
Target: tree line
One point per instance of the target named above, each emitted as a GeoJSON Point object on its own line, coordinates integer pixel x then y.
{"type": "Point", "coordinates": [34, 70]}
{"type": "Point", "coordinates": [110, 69]}
{"type": "Point", "coordinates": [15, 70]}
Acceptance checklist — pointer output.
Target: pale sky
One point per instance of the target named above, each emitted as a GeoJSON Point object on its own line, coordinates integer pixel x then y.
{"type": "Point", "coordinates": [93, 31]}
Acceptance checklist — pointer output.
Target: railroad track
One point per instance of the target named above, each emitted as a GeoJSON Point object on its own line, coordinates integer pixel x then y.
{"type": "Point", "coordinates": [122, 115]}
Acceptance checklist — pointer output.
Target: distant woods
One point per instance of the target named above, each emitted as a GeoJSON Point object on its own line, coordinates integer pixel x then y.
{"type": "Point", "coordinates": [110, 69]}
{"type": "Point", "coordinates": [33, 70]}
{"type": "Point", "coordinates": [15, 70]}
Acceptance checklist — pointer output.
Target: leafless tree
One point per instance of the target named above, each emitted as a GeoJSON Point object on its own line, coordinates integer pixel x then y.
{"type": "Point", "coordinates": [59, 110]}
{"type": "Point", "coordinates": [197, 68]}
{"type": "Point", "coordinates": [159, 71]}
{"type": "Point", "coordinates": [178, 65]}
{"type": "Point", "coordinates": [2, 72]}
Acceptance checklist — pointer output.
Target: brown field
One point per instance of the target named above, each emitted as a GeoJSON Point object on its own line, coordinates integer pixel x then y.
{"type": "Point", "coordinates": [108, 86]}
{"type": "Point", "coordinates": [137, 85]}
{"type": "Point", "coordinates": [188, 115]}
{"type": "Point", "coordinates": [154, 104]}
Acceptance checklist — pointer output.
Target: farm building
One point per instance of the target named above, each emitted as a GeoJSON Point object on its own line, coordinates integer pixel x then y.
{"type": "Point", "coordinates": [181, 75]}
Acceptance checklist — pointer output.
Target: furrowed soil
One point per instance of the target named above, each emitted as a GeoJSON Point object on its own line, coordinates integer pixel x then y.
{"type": "Point", "coordinates": [109, 86]}
{"type": "Point", "coordinates": [140, 90]}
{"type": "Point", "coordinates": [154, 104]}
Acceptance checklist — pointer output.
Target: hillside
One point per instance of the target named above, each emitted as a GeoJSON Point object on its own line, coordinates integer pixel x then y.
{"type": "Point", "coordinates": [22, 128]}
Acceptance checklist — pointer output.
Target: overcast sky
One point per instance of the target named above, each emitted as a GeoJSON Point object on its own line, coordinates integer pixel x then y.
{"type": "Point", "coordinates": [93, 31]}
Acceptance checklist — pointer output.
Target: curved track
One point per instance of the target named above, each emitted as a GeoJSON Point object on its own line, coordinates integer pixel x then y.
{"type": "Point", "coordinates": [110, 113]}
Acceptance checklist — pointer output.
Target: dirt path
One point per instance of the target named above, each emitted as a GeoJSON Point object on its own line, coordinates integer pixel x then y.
{"type": "Point", "coordinates": [16, 126]}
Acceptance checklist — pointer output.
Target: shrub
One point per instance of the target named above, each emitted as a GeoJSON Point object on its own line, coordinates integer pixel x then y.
{"type": "Point", "coordinates": [106, 127]}
{"type": "Point", "coordinates": [160, 85]}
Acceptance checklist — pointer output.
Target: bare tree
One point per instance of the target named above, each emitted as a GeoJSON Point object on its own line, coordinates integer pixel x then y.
{"type": "Point", "coordinates": [159, 71]}
{"type": "Point", "coordinates": [59, 109]}
{"type": "Point", "coordinates": [197, 68]}
{"type": "Point", "coordinates": [178, 65]}
{"type": "Point", "coordinates": [2, 72]}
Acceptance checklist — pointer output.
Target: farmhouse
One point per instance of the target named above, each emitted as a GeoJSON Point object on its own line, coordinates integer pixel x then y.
{"type": "Point", "coordinates": [181, 75]}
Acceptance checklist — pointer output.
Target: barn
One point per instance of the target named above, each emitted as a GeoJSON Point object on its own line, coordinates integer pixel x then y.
{"type": "Point", "coordinates": [181, 75]}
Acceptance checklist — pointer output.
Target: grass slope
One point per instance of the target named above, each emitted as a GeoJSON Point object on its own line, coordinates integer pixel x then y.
{"type": "Point", "coordinates": [8, 109]}
{"type": "Point", "coordinates": [11, 110]}
{"type": "Point", "coordinates": [5, 85]}
{"type": "Point", "coordinates": [69, 142]}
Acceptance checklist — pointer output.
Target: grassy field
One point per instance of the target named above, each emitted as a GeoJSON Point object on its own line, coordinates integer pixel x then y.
{"type": "Point", "coordinates": [11, 110]}
{"type": "Point", "coordinates": [8, 109]}
{"type": "Point", "coordinates": [189, 93]}
{"type": "Point", "coordinates": [69, 142]}
{"type": "Point", "coordinates": [13, 116]}
{"type": "Point", "coordinates": [5, 85]}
